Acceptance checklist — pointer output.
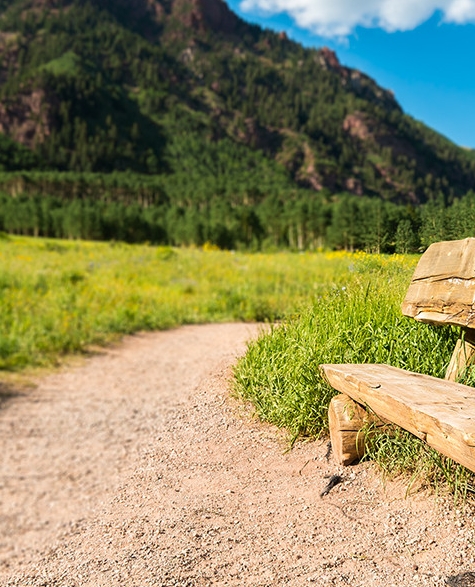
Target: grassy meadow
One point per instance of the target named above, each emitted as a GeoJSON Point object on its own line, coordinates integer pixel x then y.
{"type": "Point", "coordinates": [59, 297]}
{"type": "Point", "coordinates": [62, 297]}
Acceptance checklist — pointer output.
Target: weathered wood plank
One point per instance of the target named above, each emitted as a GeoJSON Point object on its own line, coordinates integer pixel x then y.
{"type": "Point", "coordinates": [346, 419]}
{"type": "Point", "coordinates": [438, 411]}
{"type": "Point", "coordinates": [463, 355]}
{"type": "Point", "coordinates": [443, 285]}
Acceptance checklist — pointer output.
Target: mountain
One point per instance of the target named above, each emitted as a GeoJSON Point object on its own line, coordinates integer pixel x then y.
{"type": "Point", "coordinates": [172, 86]}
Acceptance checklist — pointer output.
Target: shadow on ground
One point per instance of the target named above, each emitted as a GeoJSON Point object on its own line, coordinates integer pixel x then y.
{"type": "Point", "coordinates": [462, 580]}
{"type": "Point", "coordinates": [7, 393]}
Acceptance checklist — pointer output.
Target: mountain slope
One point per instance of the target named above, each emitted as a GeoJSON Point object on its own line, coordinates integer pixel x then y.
{"type": "Point", "coordinates": [186, 89]}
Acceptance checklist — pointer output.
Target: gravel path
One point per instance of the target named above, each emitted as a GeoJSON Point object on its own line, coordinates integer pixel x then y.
{"type": "Point", "coordinates": [136, 468]}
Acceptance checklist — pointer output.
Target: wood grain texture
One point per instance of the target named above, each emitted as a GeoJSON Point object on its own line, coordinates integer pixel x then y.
{"type": "Point", "coordinates": [346, 419]}
{"type": "Point", "coordinates": [442, 289]}
{"type": "Point", "coordinates": [463, 355]}
{"type": "Point", "coordinates": [440, 412]}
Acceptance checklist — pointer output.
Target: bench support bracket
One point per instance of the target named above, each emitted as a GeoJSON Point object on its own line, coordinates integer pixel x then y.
{"type": "Point", "coordinates": [463, 355]}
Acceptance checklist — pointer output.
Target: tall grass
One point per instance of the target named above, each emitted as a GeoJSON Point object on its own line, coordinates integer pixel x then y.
{"type": "Point", "coordinates": [58, 297]}
{"type": "Point", "coordinates": [357, 320]}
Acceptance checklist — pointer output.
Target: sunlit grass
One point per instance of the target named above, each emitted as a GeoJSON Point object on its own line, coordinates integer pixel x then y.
{"type": "Point", "coordinates": [358, 320]}
{"type": "Point", "coordinates": [58, 297]}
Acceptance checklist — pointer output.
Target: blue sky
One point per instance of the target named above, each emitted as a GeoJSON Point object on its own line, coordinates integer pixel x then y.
{"type": "Point", "coordinates": [426, 57]}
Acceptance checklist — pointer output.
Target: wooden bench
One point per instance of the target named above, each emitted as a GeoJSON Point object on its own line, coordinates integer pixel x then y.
{"type": "Point", "coordinates": [439, 411]}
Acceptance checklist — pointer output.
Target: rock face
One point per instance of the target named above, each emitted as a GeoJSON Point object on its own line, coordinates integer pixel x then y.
{"type": "Point", "coordinates": [216, 14]}
{"type": "Point", "coordinates": [357, 81]}
{"type": "Point", "coordinates": [329, 60]}
{"type": "Point", "coordinates": [27, 121]}
{"type": "Point", "coordinates": [358, 125]}
{"type": "Point", "coordinates": [203, 15]}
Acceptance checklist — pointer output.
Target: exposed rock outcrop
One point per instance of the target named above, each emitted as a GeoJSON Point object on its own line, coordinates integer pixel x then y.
{"type": "Point", "coordinates": [359, 125]}
{"type": "Point", "coordinates": [26, 121]}
{"type": "Point", "coordinates": [202, 15]}
{"type": "Point", "coordinates": [359, 82]}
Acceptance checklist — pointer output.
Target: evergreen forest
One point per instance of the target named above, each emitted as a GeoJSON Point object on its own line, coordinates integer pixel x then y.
{"type": "Point", "coordinates": [175, 122]}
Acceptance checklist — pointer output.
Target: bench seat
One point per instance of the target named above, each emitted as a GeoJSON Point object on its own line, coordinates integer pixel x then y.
{"type": "Point", "coordinates": [440, 412]}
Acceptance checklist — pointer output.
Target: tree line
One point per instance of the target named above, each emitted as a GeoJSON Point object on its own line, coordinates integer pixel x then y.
{"type": "Point", "coordinates": [302, 220]}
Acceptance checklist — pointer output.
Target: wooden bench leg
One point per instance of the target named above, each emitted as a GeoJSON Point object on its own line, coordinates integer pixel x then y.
{"type": "Point", "coordinates": [463, 355]}
{"type": "Point", "coordinates": [346, 418]}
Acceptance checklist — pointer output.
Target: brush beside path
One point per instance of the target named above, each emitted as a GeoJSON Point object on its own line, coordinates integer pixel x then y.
{"type": "Point", "coordinates": [137, 468]}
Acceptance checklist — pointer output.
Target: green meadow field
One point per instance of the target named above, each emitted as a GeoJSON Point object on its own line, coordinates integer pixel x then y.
{"type": "Point", "coordinates": [59, 298]}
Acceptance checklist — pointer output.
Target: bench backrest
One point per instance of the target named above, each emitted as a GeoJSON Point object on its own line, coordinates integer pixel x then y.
{"type": "Point", "coordinates": [442, 291]}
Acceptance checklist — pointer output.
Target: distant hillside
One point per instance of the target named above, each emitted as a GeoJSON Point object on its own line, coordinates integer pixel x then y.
{"type": "Point", "coordinates": [162, 86]}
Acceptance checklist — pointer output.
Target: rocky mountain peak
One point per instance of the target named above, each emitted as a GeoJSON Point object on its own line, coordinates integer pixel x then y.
{"type": "Point", "coordinates": [202, 15]}
{"type": "Point", "coordinates": [328, 59]}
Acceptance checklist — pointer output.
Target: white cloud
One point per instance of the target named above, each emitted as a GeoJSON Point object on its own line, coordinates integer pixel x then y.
{"type": "Point", "coordinates": [338, 18]}
{"type": "Point", "coordinates": [460, 11]}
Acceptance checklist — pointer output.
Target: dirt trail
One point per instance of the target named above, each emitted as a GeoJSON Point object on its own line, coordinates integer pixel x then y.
{"type": "Point", "coordinates": [137, 469]}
